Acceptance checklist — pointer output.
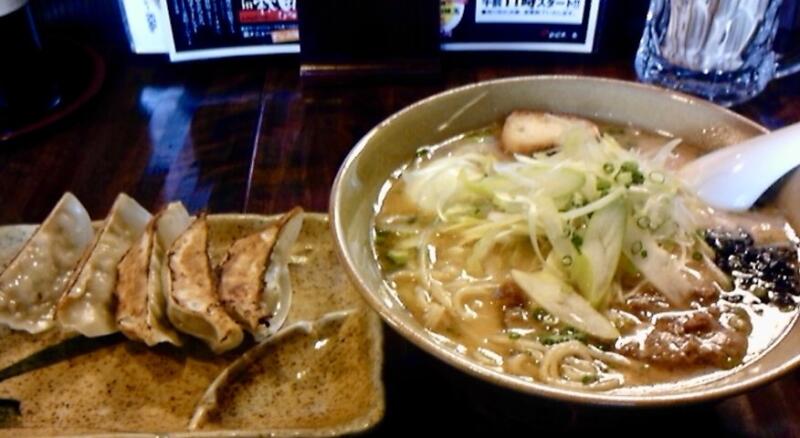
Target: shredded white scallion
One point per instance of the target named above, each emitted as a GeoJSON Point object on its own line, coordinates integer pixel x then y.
{"type": "Point", "coordinates": [485, 200]}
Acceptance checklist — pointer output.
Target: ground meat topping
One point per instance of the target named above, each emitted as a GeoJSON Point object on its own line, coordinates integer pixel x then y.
{"type": "Point", "coordinates": [512, 299]}
{"type": "Point", "coordinates": [510, 295]}
{"type": "Point", "coordinates": [646, 304]}
{"type": "Point", "coordinates": [689, 339]}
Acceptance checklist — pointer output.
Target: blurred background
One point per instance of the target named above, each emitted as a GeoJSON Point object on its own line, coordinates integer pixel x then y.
{"type": "Point", "coordinates": [102, 22]}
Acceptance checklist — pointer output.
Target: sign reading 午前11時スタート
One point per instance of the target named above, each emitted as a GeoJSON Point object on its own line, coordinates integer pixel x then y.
{"type": "Point", "coordinates": [529, 25]}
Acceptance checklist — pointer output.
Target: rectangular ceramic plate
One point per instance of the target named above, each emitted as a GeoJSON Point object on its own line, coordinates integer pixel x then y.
{"type": "Point", "coordinates": [324, 385]}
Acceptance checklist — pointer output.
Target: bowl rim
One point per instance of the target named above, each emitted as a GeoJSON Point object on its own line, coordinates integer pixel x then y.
{"type": "Point", "coordinates": [460, 362]}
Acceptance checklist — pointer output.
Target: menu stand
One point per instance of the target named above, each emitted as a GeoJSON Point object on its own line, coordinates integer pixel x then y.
{"type": "Point", "coordinates": [356, 40]}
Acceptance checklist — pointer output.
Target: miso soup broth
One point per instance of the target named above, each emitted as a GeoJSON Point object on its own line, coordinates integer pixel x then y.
{"type": "Point", "coordinates": [566, 252]}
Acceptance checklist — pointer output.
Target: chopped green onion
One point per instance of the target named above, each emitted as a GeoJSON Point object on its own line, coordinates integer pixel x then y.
{"type": "Point", "coordinates": [588, 379]}
{"type": "Point", "coordinates": [608, 168]}
{"type": "Point", "coordinates": [398, 257]}
{"type": "Point", "coordinates": [657, 177]}
{"type": "Point", "coordinates": [637, 178]}
{"type": "Point", "coordinates": [629, 166]}
{"type": "Point", "coordinates": [566, 260]}
{"type": "Point", "coordinates": [381, 236]}
{"type": "Point", "coordinates": [644, 253]}
{"type": "Point", "coordinates": [603, 184]}
{"type": "Point", "coordinates": [539, 314]}
{"type": "Point", "coordinates": [643, 222]}
{"type": "Point", "coordinates": [558, 336]}
{"type": "Point", "coordinates": [636, 247]}
{"type": "Point", "coordinates": [422, 152]}
{"type": "Point", "coordinates": [624, 178]}
{"type": "Point", "coordinates": [577, 241]}
{"type": "Point", "coordinates": [697, 256]}
{"type": "Point", "coordinates": [513, 335]}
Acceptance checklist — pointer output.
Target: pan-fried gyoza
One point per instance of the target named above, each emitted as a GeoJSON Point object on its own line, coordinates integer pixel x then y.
{"type": "Point", "coordinates": [149, 277]}
{"type": "Point", "coordinates": [255, 287]}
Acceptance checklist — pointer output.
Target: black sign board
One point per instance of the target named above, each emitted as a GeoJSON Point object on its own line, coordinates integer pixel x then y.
{"type": "Point", "coordinates": [528, 25]}
{"type": "Point", "coordinates": [214, 28]}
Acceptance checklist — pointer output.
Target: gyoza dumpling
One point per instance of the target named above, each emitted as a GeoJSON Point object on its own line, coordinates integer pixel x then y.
{"type": "Point", "coordinates": [35, 279]}
{"type": "Point", "coordinates": [141, 305]}
{"type": "Point", "coordinates": [255, 287]}
{"type": "Point", "coordinates": [193, 305]}
{"type": "Point", "coordinates": [88, 305]}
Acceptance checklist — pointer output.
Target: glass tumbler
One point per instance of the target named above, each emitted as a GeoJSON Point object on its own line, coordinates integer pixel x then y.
{"type": "Point", "coordinates": [718, 49]}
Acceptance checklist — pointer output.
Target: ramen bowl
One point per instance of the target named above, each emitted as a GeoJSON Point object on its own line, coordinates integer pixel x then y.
{"type": "Point", "coordinates": [357, 190]}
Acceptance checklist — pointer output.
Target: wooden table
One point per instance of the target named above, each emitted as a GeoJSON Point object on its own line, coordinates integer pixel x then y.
{"type": "Point", "coordinates": [247, 135]}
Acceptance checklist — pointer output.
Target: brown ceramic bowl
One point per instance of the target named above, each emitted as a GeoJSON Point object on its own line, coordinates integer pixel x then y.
{"type": "Point", "coordinates": [444, 115]}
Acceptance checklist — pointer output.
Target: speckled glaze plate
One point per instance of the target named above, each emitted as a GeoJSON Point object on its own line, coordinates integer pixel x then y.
{"type": "Point", "coordinates": [323, 385]}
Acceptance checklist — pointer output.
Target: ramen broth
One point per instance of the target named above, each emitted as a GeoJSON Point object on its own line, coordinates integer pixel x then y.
{"type": "Point", "coordinates": [473, 304]}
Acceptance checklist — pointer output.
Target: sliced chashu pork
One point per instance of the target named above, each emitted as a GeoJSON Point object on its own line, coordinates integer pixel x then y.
{"type": "Point", "coordinates": [255, 286]}
{"type": "Point", "coordinates": [525, 132]}
{"type": "Point", "coordinates": [193, 305]}
{"type": "Point", "coordinates": [141, 304]}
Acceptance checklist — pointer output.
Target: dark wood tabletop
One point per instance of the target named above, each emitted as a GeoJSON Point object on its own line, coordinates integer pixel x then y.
{"type": "Point", "coordinates": [249, 135]}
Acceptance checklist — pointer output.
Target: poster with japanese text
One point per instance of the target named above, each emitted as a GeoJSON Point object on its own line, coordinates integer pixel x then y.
{"type": "Point", "coordinates": [529, 25]}
{"type": "Point", "coordinates": [215, 28]}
